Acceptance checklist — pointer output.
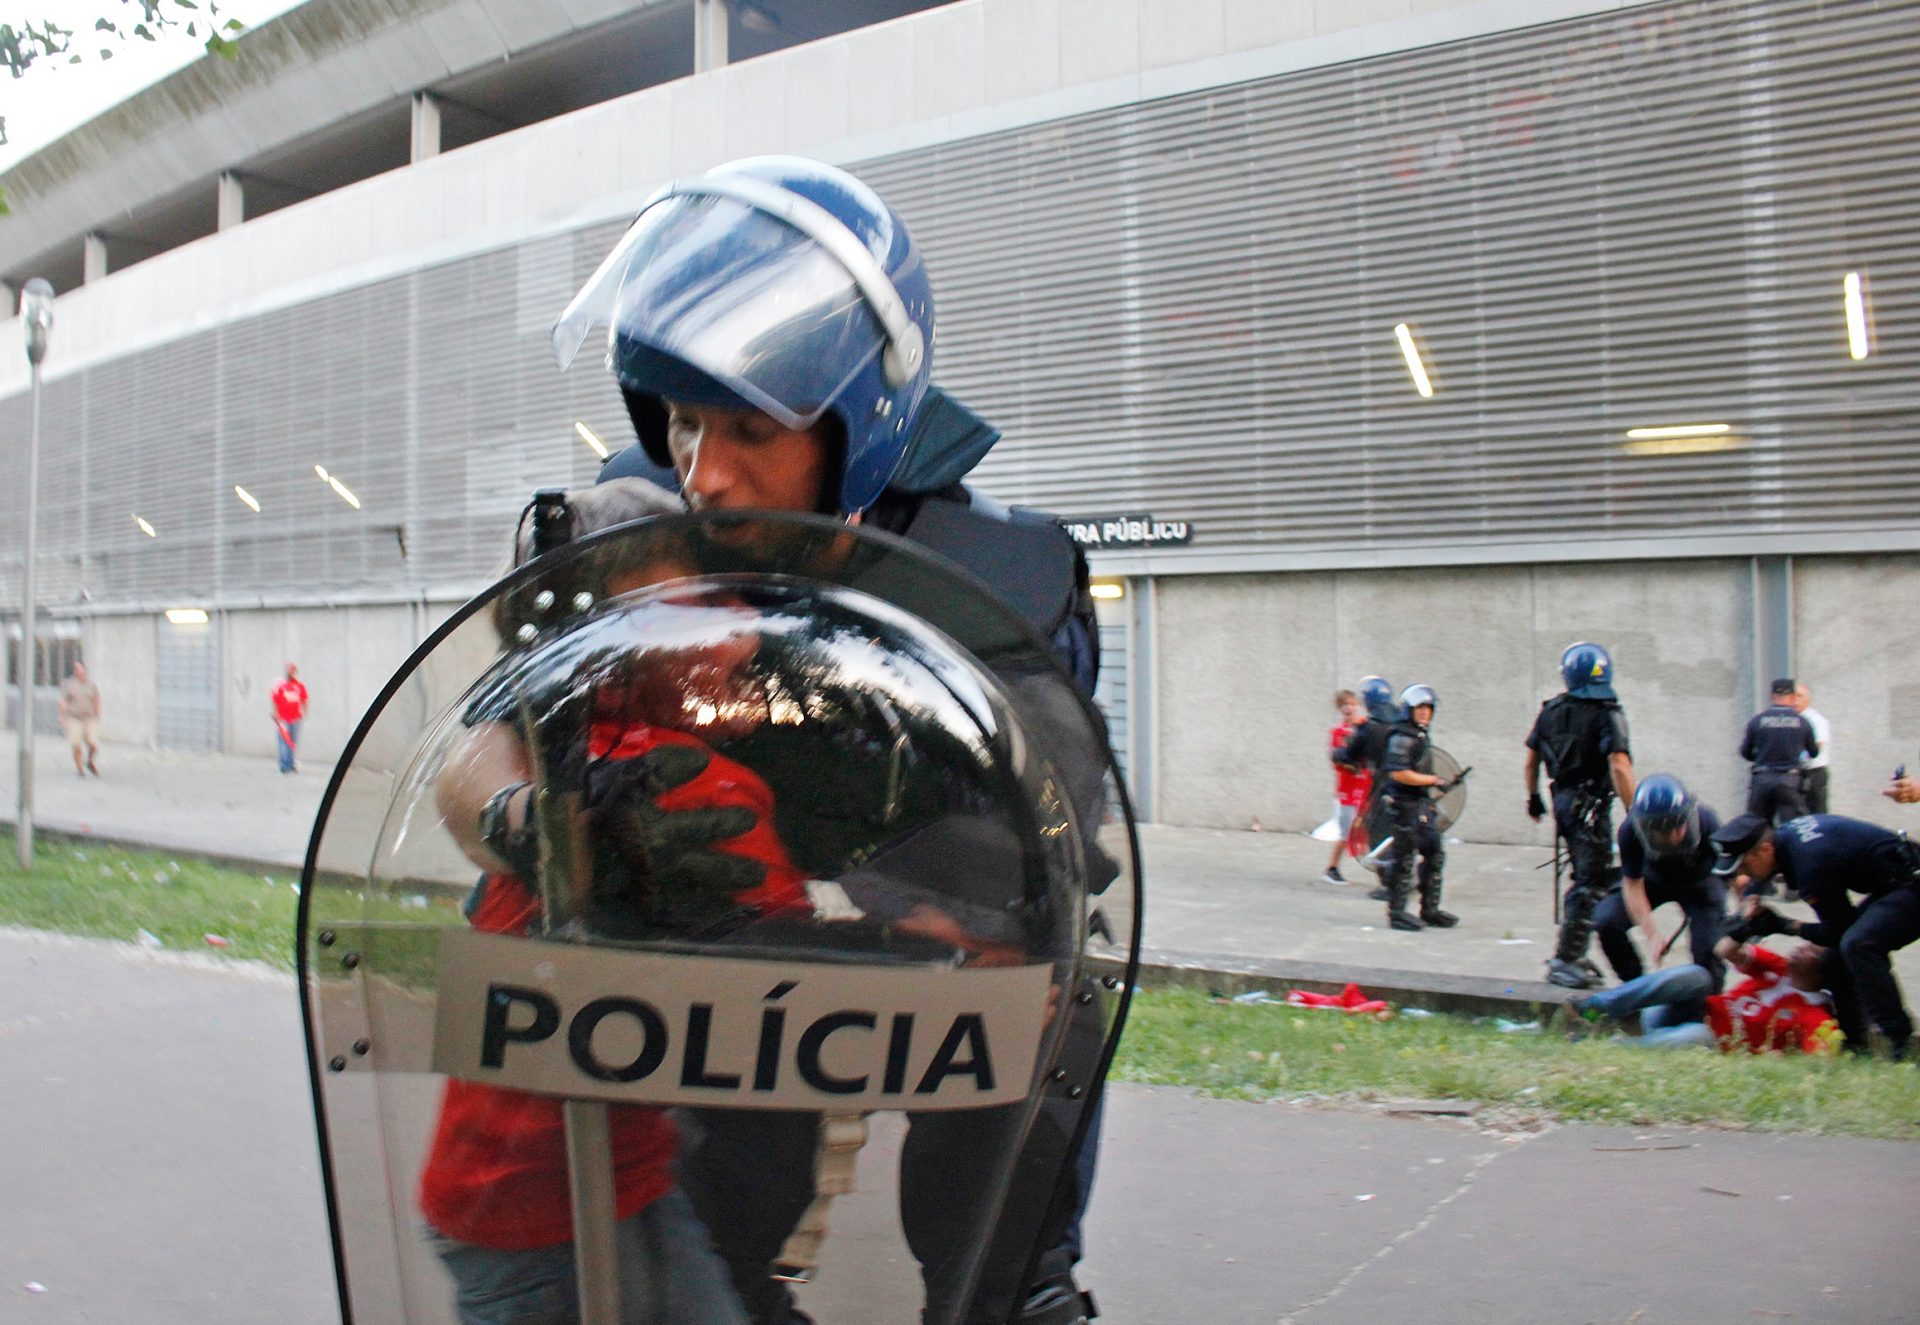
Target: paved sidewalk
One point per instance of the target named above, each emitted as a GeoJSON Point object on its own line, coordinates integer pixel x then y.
{"type": "Point", "coordinates": [1228, 908]}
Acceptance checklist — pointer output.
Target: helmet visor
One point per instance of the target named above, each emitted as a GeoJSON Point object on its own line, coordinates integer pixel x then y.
{"type": "Point", "coordinates": [1669, 834]}
{"type": "Point", "coordinates": [741, 296]}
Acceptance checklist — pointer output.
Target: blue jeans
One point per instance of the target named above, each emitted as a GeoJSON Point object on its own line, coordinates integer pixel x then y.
{"type": "Point", "coordinates": [287, 736]}
{"type": "Point", "coordinates": [1672, 1005]}
{"type": "Point", "coordinates": [669, 1275]}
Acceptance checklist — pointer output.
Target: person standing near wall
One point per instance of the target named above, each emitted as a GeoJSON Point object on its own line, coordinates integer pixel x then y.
{"type": "Point", "coordinates": [1778, 742]}
{"type": "Point", "coordinates": [1816, 770]}
{"type": "Point", "coordinates": [289, 711]}
{"type": "Point", "coordinates": [1581, 738]}
{"type": "Point", "coordinates": [80, 719]}
{"type": "Point", "coordinates": [1410, 785]}
{"type": "Point", "coordinates": [1351, 782]}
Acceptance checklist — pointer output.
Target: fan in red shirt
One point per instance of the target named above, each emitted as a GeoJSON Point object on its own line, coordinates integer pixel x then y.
{"type": "Point", "coordinates": [1351, 782]}
{"type": "Point", "coordinates": [289, 711]}
{"type": "Point", "coordinates": [1779, 1006]}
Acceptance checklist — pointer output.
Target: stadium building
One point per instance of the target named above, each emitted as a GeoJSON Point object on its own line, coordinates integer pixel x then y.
{"type": "Point", "coordinates": [1402, 336]}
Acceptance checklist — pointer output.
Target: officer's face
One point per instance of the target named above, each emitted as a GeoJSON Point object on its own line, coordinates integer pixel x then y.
{"type": "Point", "coordinates": [739, 459]}
{"type": "Point", "coordinates": [1757, 864]}
{"type": "Point", "coordinates": [1423, 714]}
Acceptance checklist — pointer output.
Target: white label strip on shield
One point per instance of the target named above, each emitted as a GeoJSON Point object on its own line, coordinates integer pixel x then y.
{"type": "Point", "coordinates": [640, 1027]}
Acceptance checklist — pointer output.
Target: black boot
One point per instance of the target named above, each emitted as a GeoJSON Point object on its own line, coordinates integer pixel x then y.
{"type": "Point", "coordinates": [1570, 975]}
{"type": "Point", "coordinates": [1430, 912]}
{"type": "Point", "coordinates": [1379, 894]}
{"type": "Point", "coordinates": [1398, 917]}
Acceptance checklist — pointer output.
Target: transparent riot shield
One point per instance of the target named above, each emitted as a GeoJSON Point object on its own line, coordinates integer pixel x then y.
{"type": "Point", "coordinates": [1371, 835]}
{"type": "Point", "coordinates": [719, 915]}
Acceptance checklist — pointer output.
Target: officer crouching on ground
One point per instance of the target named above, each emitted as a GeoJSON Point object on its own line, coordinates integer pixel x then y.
{"type": "Point", "coordinates": [1778, 742]}
{"type": "Point", "coordinates": [1581, 737]}
{"type": "Point", "coordinates": [1666, 855]}
{"type": "Point", "coordinates": [1411, 786]}
{"type": "Point", "coordinates": [1826, 858]}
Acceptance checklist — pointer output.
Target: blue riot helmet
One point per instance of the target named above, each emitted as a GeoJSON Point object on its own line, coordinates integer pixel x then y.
{"type": "Point", "coordinates": [777, 284]}
{"type": "Point", "coordinates": [1587, 671]}
{"type": "Point", "coordinates": [1376, 692]}
{"type": "Point", "coordinates": [1414, 696]}
{"type": "Point", "coordinates": [1665, 815]}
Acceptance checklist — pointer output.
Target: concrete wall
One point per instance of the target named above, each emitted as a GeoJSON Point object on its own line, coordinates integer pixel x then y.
{"type": "Point", "coordinates": [1248, 666]}
{"type": "Point", "coordinates": [122, 658]}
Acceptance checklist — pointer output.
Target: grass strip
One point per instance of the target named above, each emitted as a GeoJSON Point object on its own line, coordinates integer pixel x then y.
{"type": "Point", "coordinates": [1274, 1052]}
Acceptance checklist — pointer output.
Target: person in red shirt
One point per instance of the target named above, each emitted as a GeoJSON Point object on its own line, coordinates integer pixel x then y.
{"type": "Point", "coordinates": [495, 1189]}
{"type": "Point", "coordinates": [1351, 782]}
{"type": "Point", "coordinates": [1778, 1007]}
{"type": "Point", "coordinates": [289, 711]}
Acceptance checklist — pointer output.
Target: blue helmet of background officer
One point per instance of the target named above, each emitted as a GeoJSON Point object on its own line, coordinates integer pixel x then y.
{"type": "Point", "coordinates": [1665, 815]}
{"type": "Point", "coordinates": [1587, 671]}
{"type": "Point", "coordinates": [1376, 692]}
{"type": "Point", "coordinates": [778, 285]}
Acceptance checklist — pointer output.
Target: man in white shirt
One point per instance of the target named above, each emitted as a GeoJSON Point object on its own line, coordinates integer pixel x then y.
{"type": "Point", "coordinates": [1816, 767]}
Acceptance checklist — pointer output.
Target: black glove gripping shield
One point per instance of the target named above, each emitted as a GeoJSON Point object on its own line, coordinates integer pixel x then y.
{"type": "Point", "coordinates": [825, 845]}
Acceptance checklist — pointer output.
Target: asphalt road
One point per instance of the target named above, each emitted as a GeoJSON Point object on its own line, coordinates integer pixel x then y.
{"type": "Point", "coordinates": [159, 1167]}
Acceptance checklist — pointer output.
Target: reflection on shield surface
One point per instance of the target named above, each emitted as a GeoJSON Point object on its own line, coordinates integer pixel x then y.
{"type": "Point", "coordinates": [752, 897]}
{"type": "Point", "coordinates": [1371, 837]}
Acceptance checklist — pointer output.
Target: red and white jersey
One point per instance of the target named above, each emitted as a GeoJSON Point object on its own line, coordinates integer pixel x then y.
{"type": "Point", "coordinates": [1350, 786]}
{"type": "Point", "coordinates": [1768, 1013]}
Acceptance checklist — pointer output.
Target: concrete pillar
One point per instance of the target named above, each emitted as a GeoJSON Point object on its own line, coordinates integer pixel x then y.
{"type": "Point", "coordinates": [1772, 623]}
{"type": "Point", "coordinates": [93, 258]}
{"type": "Point", "coordinates": [709, 35]}
{"type": "Point", "coordinates": [232, 195]}
{"type": "Point", "coordinates": [426, 126]}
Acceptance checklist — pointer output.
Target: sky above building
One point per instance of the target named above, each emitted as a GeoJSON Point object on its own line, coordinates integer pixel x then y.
{"type": "Point", "coordinates": [55, 97]}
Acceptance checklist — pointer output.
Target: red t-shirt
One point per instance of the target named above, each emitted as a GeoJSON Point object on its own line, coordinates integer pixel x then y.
{"type": "Point", "coordinates": [290, 700]}
{"type": "Point", "coordinates": [1767, 1012]}
{"type": "Point", "coordinates": [496, 1174]}
{"type": "Point", "coordinates": [1350, 786]}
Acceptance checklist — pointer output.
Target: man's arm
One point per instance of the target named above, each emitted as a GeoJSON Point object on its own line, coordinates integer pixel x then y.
{"type": "Point", "coordinates": [1905, 790]}
{"type": "Point", "coordinates": [1633, 891]}
{"type": "Point", "coordinates": [1812, 741]}
{"type": "Point", "coordinates": [487, 759]}
{"type": "Point", "coordinates": [1620, 768]}
{"type": "Point", "coordinates": [1536, 808]}
{"type": "Point", "coordinates": [1746, 741]}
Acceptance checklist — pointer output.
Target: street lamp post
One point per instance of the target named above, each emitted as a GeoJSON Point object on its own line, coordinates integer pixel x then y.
{"type": "Point", "coordinates": [36, 314]}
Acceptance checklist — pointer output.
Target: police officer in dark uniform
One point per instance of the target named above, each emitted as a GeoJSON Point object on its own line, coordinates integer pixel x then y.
{"type": "Point", "coordinates": [1410, 788]}
{"type": "Point", "coordinates": [1827, 858]}
{"type": "Point", "coordinates": [1666, 855]}
{"type": "Point", "coordinates": [1778, 741]}
{"type": "Point", "coordinates": [1581, 738]}
{"type": "Point", "coordinates": [820, 400]}
{"type": "Point", "coordinates": [1366, 747]}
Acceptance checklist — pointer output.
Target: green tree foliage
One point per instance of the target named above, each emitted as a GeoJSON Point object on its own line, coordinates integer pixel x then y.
{"type": "Point", "coordinates": [28, 42]}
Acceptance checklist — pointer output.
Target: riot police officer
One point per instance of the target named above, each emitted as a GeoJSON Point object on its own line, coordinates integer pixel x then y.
{"type": "Point", "coordinates": [1581, 738]}
{"type": "Point", "coordinates": [1778, 742]}
{"type": "Point", "coordinates": [1410, 788]}
{"type": "Point", "coordinates": [771, 332]}
{"type": "Point", "coordinates": [1665, 856]}
{"type": "Point", "coordinates": [1826, 858]}
{"type": "Point", "coordinates": [1368, 746]}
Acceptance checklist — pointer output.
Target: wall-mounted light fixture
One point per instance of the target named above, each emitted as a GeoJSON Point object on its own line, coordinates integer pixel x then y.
{"type": "Point", "coordinates": [1416, 368]}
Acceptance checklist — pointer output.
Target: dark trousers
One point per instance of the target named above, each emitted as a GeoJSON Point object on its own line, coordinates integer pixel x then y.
{"type": "Point", "coordinates": [1703, 899]}
{"type": "Point", "coordinates": [1776, 794]}
{"type": "Point", "coordinates": [1816, 791]}
{"type": "Point", "coordinates": [1883, 927]}
{"type": "Point", "coordinates": [1414, 834]}
{"type": "Point", "coordinates": [1585, 821]}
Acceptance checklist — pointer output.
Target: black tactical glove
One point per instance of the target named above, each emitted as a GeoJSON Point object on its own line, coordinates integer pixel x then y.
{"type": "Point", "coordinates": [1764, 921]}
{"type": "Point", "coordinates": [1536, 808]}
{"type": "Point", "coordinates": [656, 870]}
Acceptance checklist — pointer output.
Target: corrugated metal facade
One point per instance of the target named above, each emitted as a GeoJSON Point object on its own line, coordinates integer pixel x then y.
{"type": "Point", "coordinates": [1186, 306]}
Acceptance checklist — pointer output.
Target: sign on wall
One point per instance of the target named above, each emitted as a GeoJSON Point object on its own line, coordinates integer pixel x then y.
{"type": "Point", "coordinates": [1106, 532]}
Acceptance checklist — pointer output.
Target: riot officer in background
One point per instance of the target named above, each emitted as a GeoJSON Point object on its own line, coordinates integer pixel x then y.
{"type": "Point", "coordinates": [1368, 746]}
{"type": "Point", "coordinates": [1666, 855]}
{"type": "Point", "coordinates": [1778, 742]}
{"type": "Point", "coordinates": [1410, 786]}
{"type": "Point", "coordinates": [1581, 738]}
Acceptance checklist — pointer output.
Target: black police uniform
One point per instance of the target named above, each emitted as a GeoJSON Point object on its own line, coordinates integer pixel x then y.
{"type": "Point", "coordinates": [1412, 810]}
{"type": "Point", "coordinates": [1828, 857]}
{"type": "Point", "coordinates": [1685, 878]}
{"type": "Point", "coordinates": [1776, 742]}
{"type": "Point", "coordinates": [1576, 739]}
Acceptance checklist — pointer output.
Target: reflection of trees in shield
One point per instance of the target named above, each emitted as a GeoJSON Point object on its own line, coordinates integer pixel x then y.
{"type": "Point", "coordinates": [888, 734]}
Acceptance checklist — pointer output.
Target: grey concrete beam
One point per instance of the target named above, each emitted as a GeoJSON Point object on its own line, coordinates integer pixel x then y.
{"type": "Point", "coordinates": [425, 138]}
{"type": "Point", "coordinates": [709, 35]}
{"type": "Point", "coordinates": [93, 264]}
{"type": "Point", "coordinates": [231, 201]}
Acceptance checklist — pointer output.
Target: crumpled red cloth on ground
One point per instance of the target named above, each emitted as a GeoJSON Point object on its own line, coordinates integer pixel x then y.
{"type": "Point", "coordinates": [1351, 999]}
